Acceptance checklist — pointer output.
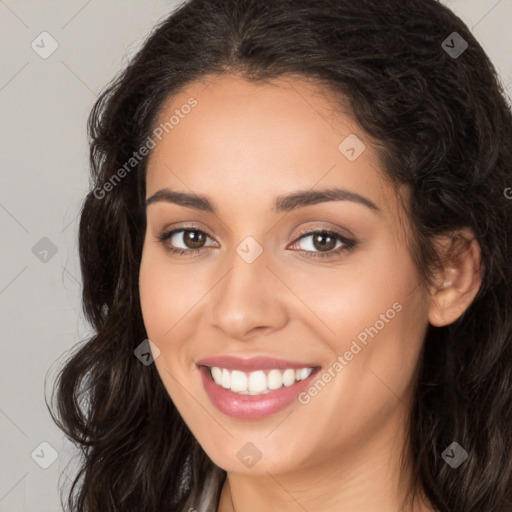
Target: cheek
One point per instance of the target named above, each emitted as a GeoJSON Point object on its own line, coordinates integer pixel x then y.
{"type": "Point", "coordinates": [342, 302]}
{"type": "Point", "coordinates": [157, 296]}
{"type": "Point", "coordinates": [166, 293]}
{"type": "Point", "coordinates": [152, 297]}
{"type": "Point", "coordinates": [375, 315]}
{"type": "Point", "coordinates": [162, 309]}
{"type": "Point", "coordinates": [386, 324]}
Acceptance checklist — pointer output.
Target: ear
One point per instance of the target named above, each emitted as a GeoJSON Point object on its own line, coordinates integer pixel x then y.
{"type": "Point", "coordinates": [457, 284]}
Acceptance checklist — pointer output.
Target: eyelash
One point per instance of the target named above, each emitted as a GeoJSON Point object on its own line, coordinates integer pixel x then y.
{"type": "Point", "coordinates": [348, 245]}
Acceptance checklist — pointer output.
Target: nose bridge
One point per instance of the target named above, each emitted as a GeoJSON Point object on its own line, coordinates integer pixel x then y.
{"type": "Point", "coordinates": [245, 298]}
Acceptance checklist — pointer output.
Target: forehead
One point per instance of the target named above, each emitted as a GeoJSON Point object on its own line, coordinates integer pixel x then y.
{"type": "Point", "coordinates": [267, 139]}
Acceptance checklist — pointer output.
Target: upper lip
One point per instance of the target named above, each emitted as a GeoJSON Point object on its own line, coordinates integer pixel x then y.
{"type": "Point", "coordinates": [252, 363]}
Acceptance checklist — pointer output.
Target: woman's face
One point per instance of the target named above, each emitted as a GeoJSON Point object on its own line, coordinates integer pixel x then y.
{"type": "Point", "coordinates": [348, 303]}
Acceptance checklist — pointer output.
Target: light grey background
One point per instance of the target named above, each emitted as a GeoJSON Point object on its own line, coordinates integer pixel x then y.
{"type": "Point", "coordinates": [44, 159]}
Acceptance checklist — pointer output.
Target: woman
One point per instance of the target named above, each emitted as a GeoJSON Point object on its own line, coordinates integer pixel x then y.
{"type": "Point", "coordinates": [295, 257]}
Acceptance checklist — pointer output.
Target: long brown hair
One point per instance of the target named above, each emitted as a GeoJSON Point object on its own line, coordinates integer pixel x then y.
{"type": "Point", "coordinates": [446, 131]}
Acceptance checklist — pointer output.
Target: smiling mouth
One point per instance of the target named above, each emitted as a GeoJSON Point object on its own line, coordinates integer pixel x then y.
{"type": "Point", "coordinates": [259, 382]}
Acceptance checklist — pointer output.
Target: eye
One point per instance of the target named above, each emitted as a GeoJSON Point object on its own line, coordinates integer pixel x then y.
{"type": "Point", "coordinates": [325, 241]}
{"type": "Point", "coordinates": [192, 238]}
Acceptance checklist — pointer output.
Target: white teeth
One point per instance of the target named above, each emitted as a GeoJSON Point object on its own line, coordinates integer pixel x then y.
{"type": "Point", "coordinates": [226, 379]}
{"type": "Point", "coordinates": [217, 375]}
{"type": "Point", "coordinates": [274, 379]}
{"type": "Point", "coordinates": [238, 381]}
{"type": "Point", "coordinates": [257, 382]}
{"type": "Point", "coordinates": [304, 373]}
{"type": "Point", "coordinates": [289, 377]}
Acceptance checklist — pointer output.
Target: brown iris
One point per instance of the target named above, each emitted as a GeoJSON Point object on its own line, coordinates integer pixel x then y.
{"type": "Point", "coordinates": [193, 239]}
{"type": "Point", "coordinates": [323, 241]}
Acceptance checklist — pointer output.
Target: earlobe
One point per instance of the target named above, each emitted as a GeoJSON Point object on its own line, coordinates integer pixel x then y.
{"type": "Point", "coordinates": [457, 285]}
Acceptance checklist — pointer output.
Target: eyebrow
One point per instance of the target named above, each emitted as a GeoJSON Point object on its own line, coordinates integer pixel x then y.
{"type": "Point", "coordinates": [283, 203]}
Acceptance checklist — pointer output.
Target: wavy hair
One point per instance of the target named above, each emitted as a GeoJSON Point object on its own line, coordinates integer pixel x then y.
{"type": "Point", "coordinates": [444, 128]}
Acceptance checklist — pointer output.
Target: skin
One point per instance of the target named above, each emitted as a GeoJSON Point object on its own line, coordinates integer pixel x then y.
{"type": "Point", "coordinates": [243, 145]}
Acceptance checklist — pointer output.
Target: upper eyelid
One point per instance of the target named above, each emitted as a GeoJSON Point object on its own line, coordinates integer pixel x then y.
{"type": "Point", "coordinates": [312, 231]}
{"type": "Point", "coordinates": [339, 237]}
{"type": "Point", "coordinates": [186, 228]}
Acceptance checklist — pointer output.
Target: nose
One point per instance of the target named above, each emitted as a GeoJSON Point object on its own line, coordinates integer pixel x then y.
{"type": "Point", "coordinates": [249, 300]}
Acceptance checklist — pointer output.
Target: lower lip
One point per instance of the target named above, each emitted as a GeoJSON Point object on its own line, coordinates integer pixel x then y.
{"type": "Point", "coordinates": [251, 407]}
